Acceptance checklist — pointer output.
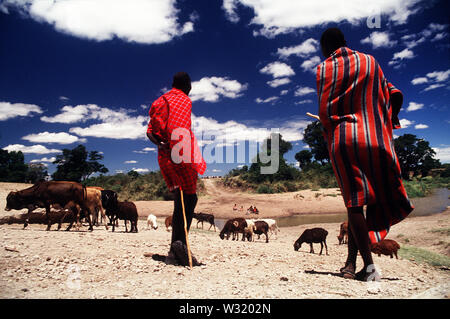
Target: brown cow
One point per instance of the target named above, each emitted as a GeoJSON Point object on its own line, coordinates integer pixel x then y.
{"type": "Point", "coordinates": [44, 194]}
{"type": "Point", "coordinates": [94, 202]}
{"type": "Point", "coordinates": [343, 233]}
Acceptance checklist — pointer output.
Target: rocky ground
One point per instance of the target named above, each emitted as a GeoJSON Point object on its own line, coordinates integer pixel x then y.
{"type": "Point", "coordinates": [35, 263]}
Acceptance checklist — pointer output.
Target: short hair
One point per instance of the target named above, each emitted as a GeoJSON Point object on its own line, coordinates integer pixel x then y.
{"type": "Point", "coordinates": [332, 39]}
{"type": "Point", "coordinates": [182, 81]}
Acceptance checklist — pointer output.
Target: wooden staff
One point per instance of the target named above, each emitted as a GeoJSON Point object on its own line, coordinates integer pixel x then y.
{"type": "Point", "coordinates": [313, 116]}
{"type": "Point", "coordinates": [185, 230]}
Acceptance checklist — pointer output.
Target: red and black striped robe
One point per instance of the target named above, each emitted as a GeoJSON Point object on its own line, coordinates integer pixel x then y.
{"type": "Point", "coordinates": [356, 113]}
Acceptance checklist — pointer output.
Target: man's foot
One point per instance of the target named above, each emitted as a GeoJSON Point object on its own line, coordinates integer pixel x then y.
{"type": "Point", "coordinates": [367, 274]}
{"type": "Point", "coordinates": [180, 253]}
{"type": "Point", "coordinates": [348, 271]}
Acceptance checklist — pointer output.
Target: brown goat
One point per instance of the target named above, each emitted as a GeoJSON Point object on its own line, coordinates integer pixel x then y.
{"type": "Point", "coordinates": [343, 233]}
{"type": "Point", "coordinates": [386, 247]}
{"type": "Point", "coordinates": [168, 222]}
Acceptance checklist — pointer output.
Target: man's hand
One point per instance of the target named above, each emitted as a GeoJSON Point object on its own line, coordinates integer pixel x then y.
{"type": "Point", "coordinates": [157, 141]}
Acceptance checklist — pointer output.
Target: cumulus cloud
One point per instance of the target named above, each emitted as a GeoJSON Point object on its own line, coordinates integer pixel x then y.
{"type": "Point", "coordinates": [301, 91]}
{"type": "Point", "coordinates": [142, 21]}
{"type": "Point", "coordinates": [413, 106]}
{"type": "Point", "coordinates": [277, 69]}
{"type": "Point", "coordinates": [278, 82]}
{"type": "Point", "coordinates": [229, 6]}
{"type": "Point", "coordinates": [268, 100]}
{"type": "Point", "coordinates": [433, 79]}
{"type": "Point", "coordinates": [304, 49]}
{"type": "Point", "coordinates": [432, 32]}
{"type": "Point", "coordinates": [405, 54]}
{"type": "Point", "coordinates": [272, 18]}
{"type": "Point", "coordinates": [310, 65]}
{"type": "Point", "coordinates": [10, 110]}
{"type": "Point", "coordinates": [34, 149]}
{"type": "Point", "coordinates": [379, 40]}
{"type": "Point", "coordinates": [443, 153]}
{"type": "Point", "coordinates": [47, 137]}
{"type": "Point", "coordinates": [420, 126]}
{"type": "Point", "coordinates": [404, 123]}
{"type": "Point", "coordinates": [211, 89]}
{"type": "Point", "coordinates": [44, 159]}
{"type": "Point", "coordinates": [114, 124]}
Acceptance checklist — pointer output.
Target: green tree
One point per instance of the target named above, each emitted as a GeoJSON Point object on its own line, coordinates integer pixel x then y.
{"type": "Point", "coordinates": [36, 172]}
{"type": "Point", "coordinates": [304, 158]}
{"type": "Point", "coordinates": [77, 164]}
{"type": "Point", "coordinates": [12, 167]}
{"type": "Point", "coordinates": [415, 155]}
{"type": "Point", "coordinates": [313, 136]}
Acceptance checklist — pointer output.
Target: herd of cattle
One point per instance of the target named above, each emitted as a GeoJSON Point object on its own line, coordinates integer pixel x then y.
{"type": "Point", "coordinates": [77, 201]}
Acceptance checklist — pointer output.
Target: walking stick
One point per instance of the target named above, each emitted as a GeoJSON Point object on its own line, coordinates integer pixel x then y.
{"type": "Point", "coordinates": [185, 230]}
{"type": "Point", "coordinates": [313, 116]}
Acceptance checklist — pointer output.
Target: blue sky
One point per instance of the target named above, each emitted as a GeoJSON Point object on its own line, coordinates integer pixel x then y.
{"type": "Point", "coordinates": [86, 72]}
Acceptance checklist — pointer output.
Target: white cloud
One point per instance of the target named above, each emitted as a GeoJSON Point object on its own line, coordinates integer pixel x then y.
{"type": "Point", "coordinates": [420, 126]}
{"type": "Point", "coordinates": [277, 69]}
{"type": "Point", "coordinates": [268, 100]}
{"type": "Point", "coordinates": [64, 98]}
{"type": "Point", "coordinates": [142, 21]}
{"type": "Point", "coordinates": [115, 124]}
{"type": "Point", "coordinates": [284, 92]}
{"type": "Point", "coordinates": [229, 6]}
{"type": "Point", "coordinates": [301, 91]}
{"type": "Point", "coordinates": [304, 102]}
{"type": "Point", "coordinates": [47, 137]}
{"type": "Point", "coordinates": [232, 131]}
{"type": "Point", "coordinates": [310, 65]}
{"type": "Point", "coordinates": [210, 89]}
{"type": "Point", "coordinates": [404, 123]}
{"type": "Point", "coordinates": [145, 150]}
{"type": "Point", "coordinates": [419, 80]}
{"type": "Point", "coordinates": [130, 162]}
{"type": "Point", "coordinates": [413, 106]}
{"type": "Point", "coordinates": [10, 110]}
{"type": "Point", "coordinates": [34, 149]}
{"type": "Point", "coordinates": [398, 57]}
{"type": "Point", "coordinates": [304, 49]}
{"type": "Point", "coordinates": [278, 82]}
{"type": "Point", "coordinates": [379, 40]}
{"type": "Point", "coordinates": [140, 170]}
{"type": "Point", "coordinates": [44, 159]}
{"type": "Point", "coordinates": [434, 86]}
{"type": "Point", "coordinates": [282, 16]}
{"type": "Point", "coordinates": [443, 154]}
{"type": "Point", "coordinates": [439, 76]}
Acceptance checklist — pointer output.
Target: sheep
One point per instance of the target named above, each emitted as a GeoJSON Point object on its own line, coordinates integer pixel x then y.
{"type": "Point", "coordinates": [310, 236]}
{"type": "Point", "coordinates": [151, 222]}
{"type": "Point", "coordinates": [168, 222]}
{"type": "Point", "coordinates": [234, 226]}
{"type": "Point", "coordinates": [343, 233]}
{"type": "Point", "coordinates": [386, 247]}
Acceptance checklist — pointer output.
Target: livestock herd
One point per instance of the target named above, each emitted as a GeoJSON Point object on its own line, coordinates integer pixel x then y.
{"type": "Point", "coordinates": [74, 202]}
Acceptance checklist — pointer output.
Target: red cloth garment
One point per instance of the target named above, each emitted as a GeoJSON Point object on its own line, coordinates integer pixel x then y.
{"type": "Point", "coordinates": [356, 113]}
{"type": "Point", "coordinates": [171, 113]}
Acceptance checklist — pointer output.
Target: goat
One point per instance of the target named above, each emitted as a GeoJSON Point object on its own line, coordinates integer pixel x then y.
{"type": "Point", "coordinates": [273, 228]}
{"type": "Point", "coordinates": [386, 247]}
{"type": "Point", "coordinates": [234, 226]}
{"type": "Point", "coordinates": [151, 222]}
{"type": "Point", "coordinates": [248, 231]}
{"type": "Point", "coordinates": [343, 233]}
{"type": "Point", "coordinates": [261, 227]}
{"type": "Point", "coordinates": [310, 236]}
{"type": "Point", "coordinates": [168, 222]}
{"type": "Point", "coordinates": [202, 217]}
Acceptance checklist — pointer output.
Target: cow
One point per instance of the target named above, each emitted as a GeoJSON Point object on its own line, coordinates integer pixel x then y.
{"type": "Point", "coordinates": [45, 193]}
{"type": "Point", "coordinates": [94, 201]}
{"type": "Point", "coordinates": [126, 211]}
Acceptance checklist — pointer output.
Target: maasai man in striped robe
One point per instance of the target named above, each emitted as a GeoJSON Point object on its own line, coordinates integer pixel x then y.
{"type": "Point", "coordinates": [179, 158]}
{"type": "Point", "coordinates": [358, 109]}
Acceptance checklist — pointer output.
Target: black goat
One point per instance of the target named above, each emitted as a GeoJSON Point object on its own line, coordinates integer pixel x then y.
{"type": "Point", "coordinates": [310, 236]}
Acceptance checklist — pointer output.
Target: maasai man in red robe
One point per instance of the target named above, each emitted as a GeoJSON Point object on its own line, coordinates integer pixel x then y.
{"type": "Point", "coordinates": [179, 157]}
{"type": "Point", "coordinates": [358, 109]}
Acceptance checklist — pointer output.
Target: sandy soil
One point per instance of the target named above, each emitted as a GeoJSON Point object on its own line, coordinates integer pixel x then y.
{"type": "Point", "coordinates": [35, 263]}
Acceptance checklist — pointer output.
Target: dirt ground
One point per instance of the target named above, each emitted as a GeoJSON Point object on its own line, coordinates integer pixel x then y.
{"type": "Point", "coordinates": [35, 263]}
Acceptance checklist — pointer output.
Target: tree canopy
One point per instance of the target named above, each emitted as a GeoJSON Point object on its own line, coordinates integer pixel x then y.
{"type": "Point", "coordinates": [77, 164]}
